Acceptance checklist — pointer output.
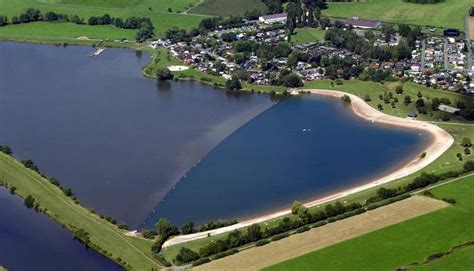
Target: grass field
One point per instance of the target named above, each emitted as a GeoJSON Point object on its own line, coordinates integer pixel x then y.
{"type": "Point", "coordinates": [228, 7]}
{"type": "Point", "coordinates": [450, 13]}
{"type": "Point", "coordinates": [161, 18]}
{"type": "Point", "coordinates": [405, 243]}
{"type": "Point", "coordinates": [259, 257]}
{"type": "Point", "coordinates": [304, 35]}
{"type": "Point", "coordinates": [133, 251]}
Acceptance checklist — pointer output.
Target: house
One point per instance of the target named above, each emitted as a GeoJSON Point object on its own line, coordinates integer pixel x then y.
{"type": "Point", "coordinates": [357, 23]}
{"type": "Point", "coordinates": [279, 18]}
{"type": "Point", "coordinates": [447, 108]}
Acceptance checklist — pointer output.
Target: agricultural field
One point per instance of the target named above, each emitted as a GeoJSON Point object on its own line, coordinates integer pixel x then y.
{"type": "Point", "coordinates": [450, 13]}
{"type": "Point", "coordinates": [304, 35]}
{"type": "Point", "coordinates": [259, 257]}
{"type": "Point", "coordinates": [408, 244]}
{"type": "Point", "coordinates": [161, 18]}
{"type": "Point", "coordinates": [227, 7]}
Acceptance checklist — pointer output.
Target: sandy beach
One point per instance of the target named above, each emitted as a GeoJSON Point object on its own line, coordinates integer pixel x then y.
{"type": "Point", "coordinates": [441, 141]}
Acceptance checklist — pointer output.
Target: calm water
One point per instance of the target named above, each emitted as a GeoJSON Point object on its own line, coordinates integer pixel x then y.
{"type": "Point", "coordinates": [119, 140]}
{"type": "Point", "coordinates": [271, 161]}
{"type": "Point", "coordinates": [31, 241]}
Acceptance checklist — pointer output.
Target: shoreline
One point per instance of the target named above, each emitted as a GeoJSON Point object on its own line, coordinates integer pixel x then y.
{"type": "Point", "coordinates": [441, 142]}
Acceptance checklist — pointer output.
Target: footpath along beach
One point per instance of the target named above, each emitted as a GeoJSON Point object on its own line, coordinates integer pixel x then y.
{"type": "Point", "coordinates": [441, 142]}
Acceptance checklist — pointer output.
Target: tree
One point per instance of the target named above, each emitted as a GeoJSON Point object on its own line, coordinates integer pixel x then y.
{"type": "Point", "coordinates": [292, 80]}
{"type": "Point", "coordinates": [6, 149]}
{"type": "Point", "coordinates": [407, 100]}
{"type": "Point", "coordinates": [295, 207]}
{"type": "Point", "coordinates": [399, 90]}
{"type": "Point", "coordinates": [29, 202]}
{"type": "Point", "coordinates": [254, 232]}
{"type": "Point", "coordinates": [164, 74]}
{"type": "Point", "coordinates": [186, 255]}
{"type": "Point", "coordinates": [92, 21]}
{"type": "Point", "coordinates": [346, 99]}
{"type": "Point", "coordinates": [420, 103]}
{"type": "Point", "coordinates": [233, 84]}
{"type": "Point", "coordinates": [468, 166]}
{"type": "Point", "coordinates": [163, 227]}
{"type": "Point", "coordinates": [188, 228]}
{"type": "Point", "coordinates": [3, 21]}
{"type": "Point", "coordinates": [466, 142]}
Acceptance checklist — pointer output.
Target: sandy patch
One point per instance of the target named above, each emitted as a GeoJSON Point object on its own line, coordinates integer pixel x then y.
{"type": "Point", "coordinates": [296, 245]}
{"type": "Point", "coordinates": [83, 38]}
{"type": "Point", "coordinates": [175, 68]}
{"type": "Point", "coordinates": [471, 28]}
{"type": "Point", "coordinates": [442, 140]}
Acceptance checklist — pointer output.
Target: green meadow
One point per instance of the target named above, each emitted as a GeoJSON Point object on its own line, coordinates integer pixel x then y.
{"type": "Point", "coordinates": [450, 13]}
{"type": "Point", "coordinates": [407, 243]}
{"type": "Point", "coordinates": [304, 35]}
{"type": "Point", "coordinates": [155, 10]}
{"type": "Point", "coordinates": [228, 7]}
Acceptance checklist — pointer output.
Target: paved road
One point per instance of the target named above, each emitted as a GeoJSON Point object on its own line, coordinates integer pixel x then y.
{"type": "Point", "coordinates": [446, 62]}
{"type": "Point", "coordinates": [469, 53]}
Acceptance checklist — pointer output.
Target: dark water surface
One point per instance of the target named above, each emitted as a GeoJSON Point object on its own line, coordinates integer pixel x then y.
{"type": "Point", "coordinates": [272, 161]}
{"type": "Point", "coordinates": [31, 241]}
{"type": "Point", "coordinates": [119, 140]}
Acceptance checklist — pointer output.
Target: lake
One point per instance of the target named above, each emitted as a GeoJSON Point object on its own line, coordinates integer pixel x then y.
{"type": "Point", "coordinates": [119, 140]}
{"type": "Point", "coordinates": [301, 149]}
{"type": "Point", "coordinates": [32, 241]}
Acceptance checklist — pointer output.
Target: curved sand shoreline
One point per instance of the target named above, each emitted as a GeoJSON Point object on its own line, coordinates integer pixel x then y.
{"type": "Point", "coordinates": [442, 140]}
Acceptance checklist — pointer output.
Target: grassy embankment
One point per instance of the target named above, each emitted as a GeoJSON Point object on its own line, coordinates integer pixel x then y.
{"type": "Point", "coordinates": [131, 252]}
{"type": "Point", "coordinates": [447, 14]}
{"type": "Point", "coordinates": [157, 11]}
{"type": "Point", "coordinates": [447, 162]}
{"type": "Point", "coordinates": [408, 244]}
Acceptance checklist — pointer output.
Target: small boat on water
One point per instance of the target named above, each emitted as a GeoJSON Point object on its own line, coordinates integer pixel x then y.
{"type": "Point", "coordinates": [97, 52]}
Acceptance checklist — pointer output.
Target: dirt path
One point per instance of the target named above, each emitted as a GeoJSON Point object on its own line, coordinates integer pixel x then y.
{"type": "Point", "coordinates": [257, 258]}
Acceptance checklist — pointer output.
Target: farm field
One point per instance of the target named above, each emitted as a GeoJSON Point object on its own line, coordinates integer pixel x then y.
{"type": "Point", "coordinates": [304, 35]}
{"type": "Point", "coordinates": [450, 13]}
{"type": "Point", "coordinates": [162, 19]}
{"type": "Point", "coordinates": [227, 7]}
{"type": "Point", "coordinates": [260, 257]}
{"type": "Point", "coordinates": [406, 244]}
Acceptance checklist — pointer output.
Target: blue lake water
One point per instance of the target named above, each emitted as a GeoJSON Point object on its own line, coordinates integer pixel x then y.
{"type": "Point", "coordinates": [300, 149]}
{"type": "Point", "coordinates": [31, 241]}
{"type": "Point", "coordinates": [119, 140]}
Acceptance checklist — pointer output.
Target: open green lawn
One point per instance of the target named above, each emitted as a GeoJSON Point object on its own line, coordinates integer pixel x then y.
{"type": "Point", "coordinates": [405, 243]}
{"type": "Point", "coordinates": [135, 252]}
{"type": "Point", "coordinates": [450, 13]}
{"type": "Point", "coordinates": [161, 18]}
{"type": "Point", "coordinates": [228, 7]}
{"type": "Point", "coordinates": [304, 35]}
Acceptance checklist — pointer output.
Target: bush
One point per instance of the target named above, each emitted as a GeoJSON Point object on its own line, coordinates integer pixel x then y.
{"type": "Point", "coordinates": [6, 149]}
{"type": "Point", "coordinates": [225, 254]}
{"type": "Point", "coordinates": [302, 229]}
{"type": "Point", "coordinates": [29, 202]}
{"type": "Point", "coordinates": [149, 234]}
{"type": "Point", "coordinates": [262, 242]}
{"type": "Point", "coordinates": [346, 99]}
{"type": "Point", "coordinates": [186, 255]}
{"type": "Point", "coordinates": [164, 74]}
{"type": "Point", "coordinates": [201, 261]}
{"type": "Point", "coordinates": [280, 236]}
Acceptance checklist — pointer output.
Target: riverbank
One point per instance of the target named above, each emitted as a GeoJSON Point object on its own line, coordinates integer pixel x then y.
{"type": "Point", "coordinates": [441, 142]}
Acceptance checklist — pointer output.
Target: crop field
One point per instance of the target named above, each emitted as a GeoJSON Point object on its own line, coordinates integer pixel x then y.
{"type": "Point", "coordinates": [162, 20]}
{"type": "Point", "coordinates": [295, 245]}
{"type": "Point", "coordinates": [227, 7]}
{"type": "Point", "coordinates": [450, 13]}
{"type": "Point", "coordinates": [407, 244]}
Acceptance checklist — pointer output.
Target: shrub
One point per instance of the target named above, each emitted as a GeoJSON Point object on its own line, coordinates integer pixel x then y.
{"type": "Point", "coordinates": [280, 236]}
{"type": "Point", "coordinates": [262, 242]}
{"type": "Point", "coordinates": [29, 202]}
{"type": "Point", "coordinates": [201, 261]}
{"type": "Point", "coordinates": [186, 255]}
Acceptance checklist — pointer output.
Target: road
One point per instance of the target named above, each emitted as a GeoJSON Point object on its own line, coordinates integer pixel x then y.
{"type": "Point", "coordinates": [423, 55]}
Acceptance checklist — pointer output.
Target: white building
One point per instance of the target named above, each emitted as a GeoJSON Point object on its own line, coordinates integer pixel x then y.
{"type": "Point", "coordinates": [279, 18]}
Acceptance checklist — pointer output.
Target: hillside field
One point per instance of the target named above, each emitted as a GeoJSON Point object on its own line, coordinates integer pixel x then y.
{"type": "Point", "coordinates": [450, 13]}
